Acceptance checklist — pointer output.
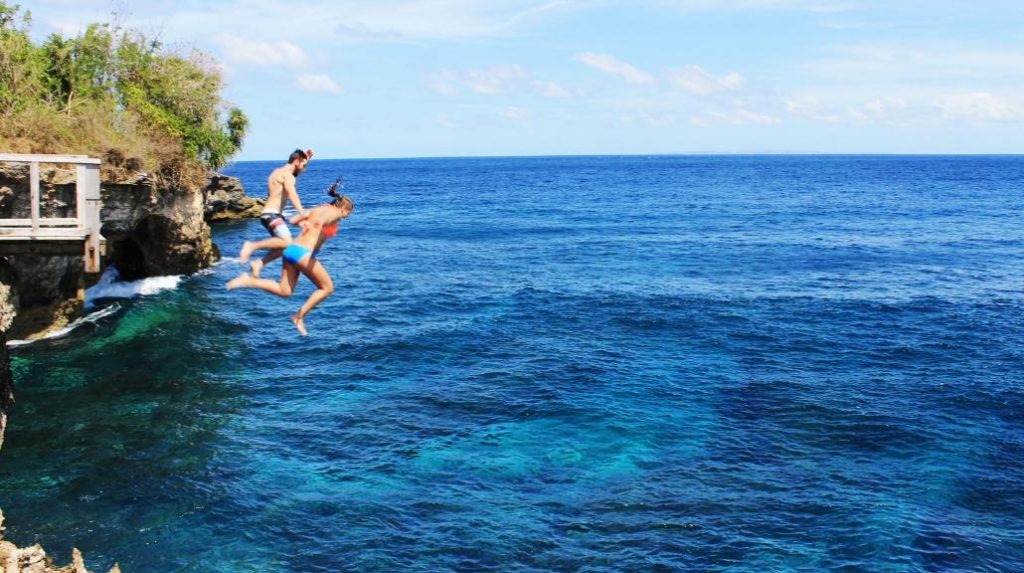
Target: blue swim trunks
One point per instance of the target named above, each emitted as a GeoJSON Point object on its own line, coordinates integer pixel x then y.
{"type": "Point", "coordinates": [294, 253]}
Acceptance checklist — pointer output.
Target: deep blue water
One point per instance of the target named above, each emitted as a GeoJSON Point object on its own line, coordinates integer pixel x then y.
{"type": "Point", "coordinates": [739, 364]}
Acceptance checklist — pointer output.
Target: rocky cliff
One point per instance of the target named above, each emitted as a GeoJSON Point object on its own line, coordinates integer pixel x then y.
{"type": "Point", "coordinates": [226, 199]}
{"type": "Point", "coordinates": [34, 559]}
{"type": "Point", "coordinates": [151, 229]}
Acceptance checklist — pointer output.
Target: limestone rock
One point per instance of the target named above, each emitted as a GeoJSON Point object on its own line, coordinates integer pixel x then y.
{"type": "Point", "coordinates": [152, 231]}
{"type": "Point", "coordinates": [34, 559]}
{"type": "Point", "coordinates": [77, 562]}
{"type": "Point", "coordinates": [8, 300]}
{"type": "Point", "coordinates": [39, 293]}
{"type": "Point", "coordinates": [226, 199]}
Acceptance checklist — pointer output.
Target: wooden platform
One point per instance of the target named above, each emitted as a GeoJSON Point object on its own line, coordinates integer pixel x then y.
{"type": "Point", "coordinates": [38, 235]}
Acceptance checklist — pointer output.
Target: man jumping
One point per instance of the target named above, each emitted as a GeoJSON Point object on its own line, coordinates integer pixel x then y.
{"type": "Point", "coordinates": [280, 183]}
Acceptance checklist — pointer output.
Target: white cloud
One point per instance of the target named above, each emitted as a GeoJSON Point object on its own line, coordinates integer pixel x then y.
{"type": "Point", "coordinates": [693, 79]}
{"type": "Point", "coordinates": [495, 80]}
{"type": "Point", "coordinates": [492, 80]}
{"type": "Point", "coordinates": [735, 117]}
{"type": "Point", "coordinates": [611, 65]}
{"type": "Point", "coordinates": [978, 107]}
{"type": "Point", "coordinates": [280, 54]}
{"type": "Point", "coordinates": [880, 109]}
{"type": "Point", "coordinates": [446, 19]}
{"type": "Point", "coordinates": [273, 54]}
{"type": "Point", "coordinates": [443, 82]}
{"type": "Point", "coordinates": [826, 6]}
{"type": "Point", "coordinates": [866, 63]}
{"type": "Point", "coordinates": [319, 83]}
{"type": "Point", "coordinates": [355, 20]}
{"type": "Point", "coordinates": [910, 108]}
{"type": "Point", "coordinates": [809, 107]}
{"type": "Point", "coordinates": [861, 108]}
{"type": "Point", "coordinates": [551, 89]}
{"type": "Point", "coordinates": [653, 119]}
{"type": "Point", "coordinates": [515, 113]}
{"type": "Point", "coordinates": [848, 25]}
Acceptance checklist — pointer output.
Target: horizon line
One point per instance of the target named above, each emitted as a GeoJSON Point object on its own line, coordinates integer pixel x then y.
{"type": "Point", "coordinates": [685, 154]}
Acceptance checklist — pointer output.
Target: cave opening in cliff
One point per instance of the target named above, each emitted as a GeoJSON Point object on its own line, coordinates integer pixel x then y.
{"type": "Point", "coordinates": [125, 254]}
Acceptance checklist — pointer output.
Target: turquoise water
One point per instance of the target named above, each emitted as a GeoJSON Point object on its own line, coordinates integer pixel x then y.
{"type": "Point", "coordinates": [563, 364]}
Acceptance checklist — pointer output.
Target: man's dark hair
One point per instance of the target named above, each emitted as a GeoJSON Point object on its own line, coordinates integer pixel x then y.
{"type": "Point", "coordinates": [296, 155]}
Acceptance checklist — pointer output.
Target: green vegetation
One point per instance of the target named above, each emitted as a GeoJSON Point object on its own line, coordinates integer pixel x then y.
{"type": "Point", "coordinates": [115, 94]}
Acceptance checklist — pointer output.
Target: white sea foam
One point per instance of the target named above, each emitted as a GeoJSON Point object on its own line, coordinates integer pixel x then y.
{"type": "Point", "coordinates": [87, 319]}
{"type": "Point", "coordinates": [109, 287]}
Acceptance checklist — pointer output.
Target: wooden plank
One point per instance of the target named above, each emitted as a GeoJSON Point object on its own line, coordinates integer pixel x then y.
{"type": "Point", "coordinates": [92, 183]}
{"type": "Point", "coordinates": [57, 222]}
{"type": "Point", "coordinates": [26, 233]}
{"type": "Point", "coordinates": [15, 223]}
{"type": "Point", "coordinates": [5, 238]}
{"type": "Point", "coordinates": [40, 223]}
{"type": "Point", "coordinates": [80, 183]}
{"type": "Point", "coordinates": [41, 158]}
{"type": "Point", "coordinates": [33, 189]}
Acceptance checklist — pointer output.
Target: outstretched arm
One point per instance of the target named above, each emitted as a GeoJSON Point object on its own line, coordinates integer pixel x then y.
{"type": "Point", "coordinates": [293, 196]}
{"type": "Point", "coordinates": [299, 217]}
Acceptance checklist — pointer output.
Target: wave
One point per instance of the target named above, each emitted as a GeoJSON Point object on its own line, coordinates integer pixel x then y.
{"type": "Point", "coordinates": [109, 287]}
{"type": "Point", "coordinates": [87, 319]}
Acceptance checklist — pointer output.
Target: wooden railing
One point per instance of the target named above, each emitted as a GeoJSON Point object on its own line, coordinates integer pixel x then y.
{"type": "Point", "coordinates": [84, 226]}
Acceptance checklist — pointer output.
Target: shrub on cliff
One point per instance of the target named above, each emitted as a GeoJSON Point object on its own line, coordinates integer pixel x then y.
{"type": "Point", "coordinates": [116, 94]}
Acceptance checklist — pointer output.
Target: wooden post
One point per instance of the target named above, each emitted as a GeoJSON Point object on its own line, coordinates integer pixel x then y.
{"type": "Point", "coordinates": [80, 183]}
{"type": "Point", "coordinates": [90, 197]}
{"type": "Point", "coordinates": [33, 190]}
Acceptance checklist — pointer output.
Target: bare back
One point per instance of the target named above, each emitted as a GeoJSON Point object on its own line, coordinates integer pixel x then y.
{"type": "Point", "coordinates": [312, 232]}
{"type": "Point", "coordinates": [280, 184]}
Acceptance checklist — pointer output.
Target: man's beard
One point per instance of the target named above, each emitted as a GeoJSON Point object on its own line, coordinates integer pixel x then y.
{"type": "Point", "coordinates": [298, 171]}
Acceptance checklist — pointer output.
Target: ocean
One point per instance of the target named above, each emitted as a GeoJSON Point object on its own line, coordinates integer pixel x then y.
{"type": "Point", "coordinates": [670, 363]}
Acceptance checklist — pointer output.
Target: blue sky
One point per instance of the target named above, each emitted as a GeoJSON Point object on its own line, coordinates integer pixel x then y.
{"type": "Point", "coordinates": [403, 78]}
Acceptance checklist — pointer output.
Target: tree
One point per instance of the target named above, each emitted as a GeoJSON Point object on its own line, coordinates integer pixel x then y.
{"type": "Point", "coordinates": [77, 91]}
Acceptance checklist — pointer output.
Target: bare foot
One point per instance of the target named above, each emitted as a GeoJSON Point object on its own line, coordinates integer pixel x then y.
{"type": "Point", "coordinates": [255, 267]}
{"type": "Point", "coordinates": [246, 251]}
{"type": "Point", "coordinates": [239, 281]}
{"type": "Point", "coordinates": [297, 321]}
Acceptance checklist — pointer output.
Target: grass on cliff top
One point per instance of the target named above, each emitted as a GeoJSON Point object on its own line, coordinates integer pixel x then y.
{"type": "Point", "coordinates": [117, 95]}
